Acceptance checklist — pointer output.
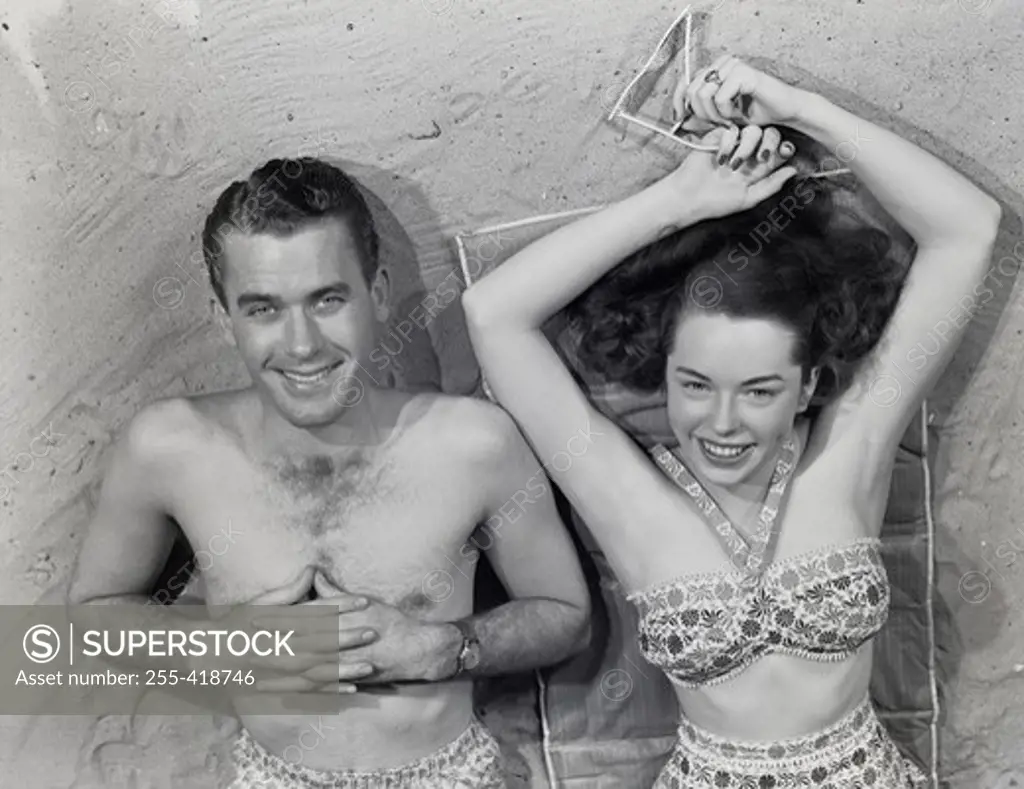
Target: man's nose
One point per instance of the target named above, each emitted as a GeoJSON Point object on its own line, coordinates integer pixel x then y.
{"type": "Point", "coordinates": [302, 335]}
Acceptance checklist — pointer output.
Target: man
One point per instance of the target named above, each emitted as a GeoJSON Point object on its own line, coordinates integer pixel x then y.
{"type": "Point", "coordinates": [357, 495]}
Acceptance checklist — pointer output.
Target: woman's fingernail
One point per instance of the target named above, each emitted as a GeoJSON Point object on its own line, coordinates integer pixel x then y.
{"type": "Point", "coordinates": [765, 155]}
{"type": "Point", "coordinates": [369, 635]}
{"type": "Point", "coordinates": [721, 159]}
{"type": "Point", "coordinates": [736, 164]}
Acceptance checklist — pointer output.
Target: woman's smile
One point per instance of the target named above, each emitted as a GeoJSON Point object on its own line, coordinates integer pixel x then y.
{"type": "Point", "coordinates": [721, 454]}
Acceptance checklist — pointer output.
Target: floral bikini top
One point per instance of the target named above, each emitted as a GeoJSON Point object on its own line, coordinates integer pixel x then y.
{"type": "Point", "coordinates": [706, 628]}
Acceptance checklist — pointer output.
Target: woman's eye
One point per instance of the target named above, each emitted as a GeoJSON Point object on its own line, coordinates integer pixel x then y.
{"type": "Point", "coordinates": [695, 386]}
{"type": "Point", "coordinates": [762, 393]}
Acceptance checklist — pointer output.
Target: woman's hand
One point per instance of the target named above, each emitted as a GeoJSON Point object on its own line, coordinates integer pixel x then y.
{"type": "Point", "coordinates": [731, 92]}
{"type": "Point", "coordinates": [746, 169]}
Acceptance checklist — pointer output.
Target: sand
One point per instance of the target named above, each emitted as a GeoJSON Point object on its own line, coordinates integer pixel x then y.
{"type": "Point", "coordinates": [122, 122]}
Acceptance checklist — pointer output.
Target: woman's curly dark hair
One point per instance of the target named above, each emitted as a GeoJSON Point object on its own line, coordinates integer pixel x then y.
{"type": "Point", "coordinates": [800, 257]}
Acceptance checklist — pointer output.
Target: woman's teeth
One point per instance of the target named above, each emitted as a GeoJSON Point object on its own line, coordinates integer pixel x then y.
{"type": "Point", "coordinates": [725, 451]}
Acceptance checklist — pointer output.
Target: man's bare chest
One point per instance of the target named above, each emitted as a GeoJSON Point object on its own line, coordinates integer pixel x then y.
{"type": "Point", "coordinates": [374, 524]}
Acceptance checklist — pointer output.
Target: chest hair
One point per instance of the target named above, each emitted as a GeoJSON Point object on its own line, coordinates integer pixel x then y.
{"type": "Point", "coordinates": [320, 492]}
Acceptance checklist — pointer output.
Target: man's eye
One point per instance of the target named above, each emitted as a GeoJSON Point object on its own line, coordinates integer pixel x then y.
{"type": "Point", "coordinates": [258, 311]}
{"type": "Point", "coordinates": [332, 301]}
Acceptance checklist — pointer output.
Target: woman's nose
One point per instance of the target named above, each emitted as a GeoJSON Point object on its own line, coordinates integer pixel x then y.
{"type": "Point", "coordinates": [725, 421]}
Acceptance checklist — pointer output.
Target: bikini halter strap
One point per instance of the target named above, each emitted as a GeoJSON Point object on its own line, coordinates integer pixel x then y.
{"type": "Point", "coordinates": [747, 555]}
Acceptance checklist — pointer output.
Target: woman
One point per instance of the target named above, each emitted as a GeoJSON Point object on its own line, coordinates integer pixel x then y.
{"type": "Point", "coordinates": [751, 549]}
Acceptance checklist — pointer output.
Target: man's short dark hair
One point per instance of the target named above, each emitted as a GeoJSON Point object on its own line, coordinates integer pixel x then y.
{"type": "Point", "coordinates": [279, 198]}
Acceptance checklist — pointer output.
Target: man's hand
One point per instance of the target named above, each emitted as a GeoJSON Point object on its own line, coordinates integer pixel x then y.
{"type": "Point", "coordinates": [289, 593]}
{"type": "Point", "coordinates": [307, 655]}
{"type": "Point", "coordinates": [379, 643]}
{"type": "Point", "coordinates": [292, 592]}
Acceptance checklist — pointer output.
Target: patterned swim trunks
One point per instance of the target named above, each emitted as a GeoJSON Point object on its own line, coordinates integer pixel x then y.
{"type": "Point", "coordinates": [856, 752]}
{"type": "Point", "coordinates": [471, 761]}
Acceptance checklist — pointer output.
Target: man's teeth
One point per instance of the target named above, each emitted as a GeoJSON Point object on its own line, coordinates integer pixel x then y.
{"type": "Point", "coordinates": [310, 378]}
{"type": "Point", "coordinates": [722, 451]}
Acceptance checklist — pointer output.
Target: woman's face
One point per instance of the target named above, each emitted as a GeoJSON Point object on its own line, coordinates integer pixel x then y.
{"type": "Point", "coordinates": [734, 391]}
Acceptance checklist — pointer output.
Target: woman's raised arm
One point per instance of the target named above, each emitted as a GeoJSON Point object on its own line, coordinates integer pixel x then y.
{"type": "Point", "coordinates": [539, 281]}
{"type": "Point", "coordinates": [593, 461]}
{"type": "Point", "coordinates": [952, 222]}
{"type": "Point", "coordinates": [954, 226]}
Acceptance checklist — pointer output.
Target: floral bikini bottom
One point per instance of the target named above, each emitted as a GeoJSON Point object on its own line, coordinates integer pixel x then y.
{"type": "Point", "coordinates": [472, 761]}
{"type": "Point", "coordinates": [854, 752]}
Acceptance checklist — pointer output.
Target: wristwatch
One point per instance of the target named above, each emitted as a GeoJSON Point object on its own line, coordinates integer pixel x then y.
{"type": "Point", "coordinates": [469, 653]}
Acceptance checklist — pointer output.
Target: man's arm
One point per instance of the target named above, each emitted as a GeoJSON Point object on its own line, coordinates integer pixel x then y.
{"type": "Point", "coordinates": [127, 543]}
{"type": "Point", "coordinates": [548, 618]}
{"type": "Point", "coordinates": [130, 536]}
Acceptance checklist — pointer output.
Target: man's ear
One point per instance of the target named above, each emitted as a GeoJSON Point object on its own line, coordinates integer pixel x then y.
{"type": "Point", "coordinates": [223, 321]}
{"type": "Point", "coordinates": [380, 294]}
{"type": "Point", "coordinates": [807, 389]}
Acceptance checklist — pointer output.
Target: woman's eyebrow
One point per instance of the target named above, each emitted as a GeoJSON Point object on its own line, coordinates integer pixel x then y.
{"type": "Point", "coordinates": [760, 379]}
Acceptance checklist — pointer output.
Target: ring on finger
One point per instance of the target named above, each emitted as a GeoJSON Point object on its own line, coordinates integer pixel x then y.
{"type": "Point", "coordinates": [713, 77]}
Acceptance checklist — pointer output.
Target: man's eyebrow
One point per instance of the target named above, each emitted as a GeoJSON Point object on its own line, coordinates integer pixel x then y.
{"type": "Point", "coordinates": [255, 297]}
{"type": "Point", "coordinates": [335, 287]}
{"type": "Point", "coordinates": [252, 297]}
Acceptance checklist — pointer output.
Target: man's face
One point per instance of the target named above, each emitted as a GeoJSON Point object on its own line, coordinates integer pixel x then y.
{"type": "Point", "coordinates": [303, 317]}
